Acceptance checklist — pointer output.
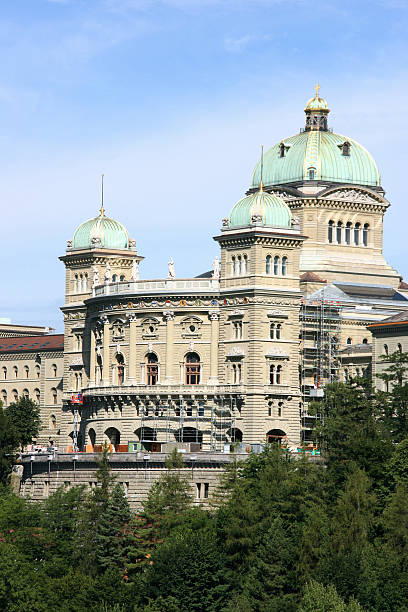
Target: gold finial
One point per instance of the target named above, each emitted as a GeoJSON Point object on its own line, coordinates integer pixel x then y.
{"type": "Point", "coordinates": [317, 87]}
{"type": "Point", "coordinates": [102, 210]}
{"type": "Point", "coordinates": [260, 182]}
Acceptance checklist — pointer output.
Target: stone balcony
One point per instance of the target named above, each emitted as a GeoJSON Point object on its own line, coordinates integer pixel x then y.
{"type": "Point", "coordinates": [167, 286]}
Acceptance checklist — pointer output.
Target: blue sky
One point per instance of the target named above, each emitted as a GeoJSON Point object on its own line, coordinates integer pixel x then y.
{"type": "Point", "coordinates": [171, 99]}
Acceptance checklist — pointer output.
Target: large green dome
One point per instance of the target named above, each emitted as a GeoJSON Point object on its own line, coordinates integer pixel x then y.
{"type": "Point", "coordinates": [101, 231]}
{"type": "Point", "coordinates": [260, 208]}
{"type": "Point", "coordinates": [317, 155]}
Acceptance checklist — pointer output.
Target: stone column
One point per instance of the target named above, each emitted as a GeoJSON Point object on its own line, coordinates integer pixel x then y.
{"type": "Point", "coordinates": [106, 352]}
{"type": "Point", "coordinates": [132, 349]}
{"type": "Point", "coordinates": [169, 316]}
{"type": "Point", "coordinates": [92, 359]}
{"type": "Point", "coordinates": [215, 332]}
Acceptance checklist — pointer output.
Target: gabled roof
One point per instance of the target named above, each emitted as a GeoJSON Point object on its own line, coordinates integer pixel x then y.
{"type": "Point", "coordinates": [399, 318]}
{"type": "Point", "coordinates": [20, 344]}
{"type": "Point", "coordinates": [311, 277]}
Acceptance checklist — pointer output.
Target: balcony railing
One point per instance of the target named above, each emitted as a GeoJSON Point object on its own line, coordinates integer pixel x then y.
{"type": "Point", "coordinates": [168, 286]}
{"type": "Point", "coordinates": [166, 389]}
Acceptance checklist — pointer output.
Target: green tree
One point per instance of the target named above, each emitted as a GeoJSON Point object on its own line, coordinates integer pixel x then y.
{"type": "Point", "coordinates": [9, 441]}
{"type": "Point", "coordinates": [350, 433]}
{"type": "Point", "coordinates": [170, 495]}
{"type": "Point", "coordinates": [319, 598]}
{"type": "Point", "coordinates": [393, 403]}
{"type": "Point", "coordinates": [111, 536]}
{"type": "Point", "coordinates": [25, 418]}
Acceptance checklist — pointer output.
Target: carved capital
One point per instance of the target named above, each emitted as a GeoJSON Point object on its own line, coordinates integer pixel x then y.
{"type": "Point", "coordinates": [104, 319]}
{"type": "Point", "coordinates": [168, 315]}
{"type": "Point", "coordinates": [214, 316]}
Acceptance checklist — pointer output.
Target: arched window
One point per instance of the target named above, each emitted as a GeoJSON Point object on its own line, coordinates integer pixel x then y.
{"type": "Point", "coordinates": [365, 340]}
{"type": "Point", "coordinates": [120, 369]}
{"type": "Point", "coordinates": [275, 436]}
{"type": "Point", "coordinates": [349, 341]}
{"type": "Point", "coordinates": [244, 265]}
{"type": "Point", "coordinates": [122, 278]}
{"type": "Point", "coordinates": [280, 409]}
{"type": "Point", "coordinates": [239, 265]}
{"type": "Point", "coordinates": [54, 396]}
{"type": "Point", "coordinates": [272, 374]}
{"type": "Point", "coordinates": [268, 264]}
{"type": "Point", "coordinates": [26, 394]}
{"type": "Point", "coordinates": [399, 348]}
{"type": "Point", "coordinates": [114, 278]}
{"type": "Point", "coordinates": [365, 234]}
{"type": "Point", "coordinates": [386, 349]}
{"type": "Point", "coordinates": [276, 265]}
{"type": "Point", "coordinates": [4, 373]}
{"type": "Point", "coordinates": [152, 369]}
{"type": "Point", "coordinates": [284, 265]}
{"type": "Point", "coordinates": [282, 150]}
{"type": "Point", "coordinates": [85, 282]}
{"type": "Point", "coordinates": [346, 374]}
{"type": "Point", "coordinates": [347, 233]}
{"type": "Point", "coordinates": [76, 283]}
{"type": "Point", "coordinates": [278, 331]}
{"type": "Point", "coordinates": [14, 395]}
{"type": "Point", "coordinates": [4, 398]}
{"type": "Point", "coordinates": [270, 408]}
{"type": "Point", "coordinates": [192, 369]}
{"type": "Point", "coordinates": [278, 374]}
{"type": "Point", "coordinates": [26, 371]}
{"type": "Point", "coordinates": [92, 436]}
{"type": "Point", "coordinates": [339, 230]}
{"type": "Point", "coordinates": [330, 232]}
{"type": "Point", "coordinates": [311, 174]}
{"type": "Point", "coordinates": [272, 331]}
{"type": "Point", "coordinates": [37, 371]}
{"type": "Point", "coordinates": [237, 330]}
{"type": "Point", "coordinates": [345, 149]}
{"type": "Point", "coordinates": [37, 395]}
{"type": "Point", "coordinates": [234, 266]}
{"type": "Point", "coordinates": [54, 370]}
{"type": "Point", "coordinates": [357, 233]}
{"type": "Point", "coordinates": [15, 370]}
{"type": "Point", "coordinates": [53, 422]}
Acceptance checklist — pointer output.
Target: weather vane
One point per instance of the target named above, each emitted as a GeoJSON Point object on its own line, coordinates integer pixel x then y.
{"type": "Point", "coordinates": [102, 210]}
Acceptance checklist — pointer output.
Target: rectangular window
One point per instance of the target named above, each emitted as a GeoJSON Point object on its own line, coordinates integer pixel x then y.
{"type": "Point", "coordinates": [198, 492]}
{"type": "Point", "coordinates": [206, 489]}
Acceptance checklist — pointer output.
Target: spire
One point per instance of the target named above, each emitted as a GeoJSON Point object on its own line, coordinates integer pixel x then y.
{"type": "Point", "coordinates": [102, 210]}
{"type": "Point", "coordinates": [260, 182]}
{"type": "Point", "coordinates": [317, 87]}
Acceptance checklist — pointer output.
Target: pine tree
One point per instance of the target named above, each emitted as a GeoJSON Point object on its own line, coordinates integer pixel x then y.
{"type": "Point", "coordinates": [110, 540]}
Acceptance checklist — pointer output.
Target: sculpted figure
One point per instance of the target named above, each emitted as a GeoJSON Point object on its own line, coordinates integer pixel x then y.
{"type": "Point", "coordinates": [108, 275]}
{"type": "Point", "coordinates": [172, 273]}
{"type": "Point", "coordinates": [135, 270]}
{"type": "Point", "coordinates": [216, 268]}
{"type": "Point", "coordinates": [95, 282]}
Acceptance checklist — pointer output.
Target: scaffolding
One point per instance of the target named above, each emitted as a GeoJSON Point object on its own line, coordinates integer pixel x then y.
{"type": "Point", "coordinates": [319, 361]}
{"type": "Point", "coordinates": [185, 419]}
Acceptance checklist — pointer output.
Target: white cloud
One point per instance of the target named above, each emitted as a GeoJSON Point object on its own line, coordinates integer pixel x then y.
{"type": "Point", "coordinates": [237, 45]}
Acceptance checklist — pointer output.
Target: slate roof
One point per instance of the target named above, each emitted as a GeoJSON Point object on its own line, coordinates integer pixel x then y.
{"type": "Point", "coordinates": [356, 348]}
{"type": "Point", "coordinates": [18, 344]}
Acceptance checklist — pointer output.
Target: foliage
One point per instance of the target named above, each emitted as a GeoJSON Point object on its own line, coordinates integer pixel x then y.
{"type": "Point", "coordinates": [9, 441]}
{"type": "Point", "coordinates": [25, 418]}
{"type": "Point", "coordinates": [281, 533]}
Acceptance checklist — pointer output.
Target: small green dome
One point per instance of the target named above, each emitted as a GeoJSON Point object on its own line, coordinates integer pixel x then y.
{"type": "Point", "coordinates": [101, 231]}
{"type": "Point", "coordinates": [260, 208]}
{"type": "Point", "coordinates": [317, 155]}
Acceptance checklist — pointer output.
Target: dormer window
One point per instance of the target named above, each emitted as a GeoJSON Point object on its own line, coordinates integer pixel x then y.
{"type": "Point", "coordinates": [281, 150]}
{"type": "Point", "coordinates": [345, 149]}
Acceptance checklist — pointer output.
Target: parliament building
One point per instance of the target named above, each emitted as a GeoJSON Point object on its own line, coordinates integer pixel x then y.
{"type": "Point", "coordinates": [235, 354]}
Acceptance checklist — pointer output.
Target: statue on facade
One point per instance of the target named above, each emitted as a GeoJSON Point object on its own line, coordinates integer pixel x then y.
{"type": "Point", "coordinates": [135, 271]}
{"type": "Point", "coordinates": [216, 268]}
{"type": "Point", "coordinates": [95, 281]}
{"type": "Point", "coordinates": [172, 273]}
{"type": "Point", "coordinates": [108, 275]}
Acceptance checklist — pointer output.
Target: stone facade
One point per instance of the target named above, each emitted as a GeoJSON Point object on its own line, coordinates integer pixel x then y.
{"type": "Point", "coordinates": [389, 336]}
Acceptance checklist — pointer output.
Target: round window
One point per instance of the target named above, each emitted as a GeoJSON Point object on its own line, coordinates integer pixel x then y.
{"type": "Point", "coordinates": [192, 328]}
{"type": "Point", "coordinates": [151, 329]}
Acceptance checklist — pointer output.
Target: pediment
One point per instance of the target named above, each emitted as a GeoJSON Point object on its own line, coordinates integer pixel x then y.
{"type": "Point", "coordinates": [346, 193]}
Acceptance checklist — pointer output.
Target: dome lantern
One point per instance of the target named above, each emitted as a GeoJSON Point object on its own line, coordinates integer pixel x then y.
{"type": "Point", "coordinates": [316, 113]}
